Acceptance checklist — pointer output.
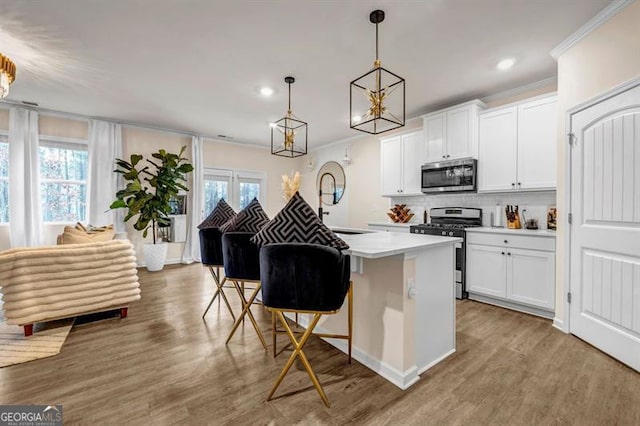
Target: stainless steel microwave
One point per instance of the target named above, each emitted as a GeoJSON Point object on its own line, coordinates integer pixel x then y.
{"type": "Point", "coordinates": [450, 176]}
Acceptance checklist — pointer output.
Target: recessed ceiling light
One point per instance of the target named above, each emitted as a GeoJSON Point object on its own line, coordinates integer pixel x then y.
{"type": "Point", "coordinates": [266, 91]}
{"type": "Point", "coordinates": [505, 64]}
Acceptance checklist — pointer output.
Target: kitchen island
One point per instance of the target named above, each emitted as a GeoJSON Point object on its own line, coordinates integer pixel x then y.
{"type": "Point", "coordinates": [404, 303]}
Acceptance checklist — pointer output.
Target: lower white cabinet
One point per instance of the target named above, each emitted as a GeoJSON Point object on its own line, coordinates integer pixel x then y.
{"type": "Point", "coordinates": [486, 270]}
{"type": "Point", "coordinates": [514, 271]}
{"type": "Point", "coordinates": [531, 277]}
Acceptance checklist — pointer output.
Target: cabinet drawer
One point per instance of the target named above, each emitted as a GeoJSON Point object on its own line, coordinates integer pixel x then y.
{"type": "Point", "coordinates": [531, 242]}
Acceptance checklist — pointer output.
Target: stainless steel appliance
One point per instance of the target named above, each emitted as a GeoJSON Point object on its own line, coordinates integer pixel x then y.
{"type": "Point", "coordinates": [449, 176]}
{"type": "Point", "coordinates": [451, 222]}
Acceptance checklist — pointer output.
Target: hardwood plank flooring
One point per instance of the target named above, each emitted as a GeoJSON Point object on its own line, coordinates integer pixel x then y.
{"type": "Point", "coordinates": [165, 365]}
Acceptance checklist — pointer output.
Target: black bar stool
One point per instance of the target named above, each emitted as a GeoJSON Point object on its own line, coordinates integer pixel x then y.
{"type": "Point", "coordinates": [211, 252]}
{"type": "Point", "coordinates": [242, 265]}
{"type": "Point", "coordinates": [304, 278]}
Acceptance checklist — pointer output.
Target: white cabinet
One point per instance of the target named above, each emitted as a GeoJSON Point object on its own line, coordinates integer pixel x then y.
{"type": "Point", "coordinates": [452, 133]}
{"type": "Point", "coordinates": [531, 277]}
{"type": "Point", "coordinates": [401, 158]}
{"type": "Point", "coordinates": [514, 271]}
{"type": "Point", "coordinates": [486, 270]}
{"type": "Point", "coordinates": [517, 146]}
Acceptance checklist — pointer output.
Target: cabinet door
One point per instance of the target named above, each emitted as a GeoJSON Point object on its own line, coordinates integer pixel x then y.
{"type": "Point", "coordinates": [413, 154]}
{"type": "Point", "coordinates": [498, 150]}
{"type": "Point", "coordinates": [391, 166]}
{"type": "Point", "coordinates": [486, 271]}
{"type": "Point", "coordinates": [537, 144]}
{"type": "Point", "coordinates": [435, 134]}
{"type": "Point", "coordinates": [531, 277]}
{"type": "Point", "coordinates": [459, 137]}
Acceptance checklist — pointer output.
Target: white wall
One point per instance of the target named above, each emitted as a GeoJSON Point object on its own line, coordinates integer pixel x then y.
{"type": "Point", "coordinates": [607, 57]}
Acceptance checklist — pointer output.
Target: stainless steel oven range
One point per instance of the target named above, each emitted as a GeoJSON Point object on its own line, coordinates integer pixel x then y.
{"type": "Point", "coordinates": [451, 222]}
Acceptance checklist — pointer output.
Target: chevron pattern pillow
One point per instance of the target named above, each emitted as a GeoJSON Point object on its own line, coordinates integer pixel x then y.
{"type": "Point", "coordinates": [250, 219]}
{"type": "Point", "coordinates": [218, 216]}
{"type": "Point", "coordinates": [297, 222]}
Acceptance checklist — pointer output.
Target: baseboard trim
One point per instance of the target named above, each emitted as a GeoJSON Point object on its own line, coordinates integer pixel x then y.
{"type": "Point", "coordinates": [143, 264]}
{"type": "Point", "coordinates": [436, 361]}
{"type": "Point", "coordinates": [512, 305]}
{"type": "Point", "coordinates": [559, 324]}
{"type": "Point", "coordinates": [402, 379]}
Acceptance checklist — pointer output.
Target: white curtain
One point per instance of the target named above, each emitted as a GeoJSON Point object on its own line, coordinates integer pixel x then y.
{"type": "Point", "coordinates": [105, 145]}
{"type": "Point", "coordinates": [25, 213]}
{"type": "Point", "coordinates": [195, 209]}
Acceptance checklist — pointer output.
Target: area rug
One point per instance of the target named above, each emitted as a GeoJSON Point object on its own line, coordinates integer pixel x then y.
{"type": "Point", "coordinates": [46, 341]}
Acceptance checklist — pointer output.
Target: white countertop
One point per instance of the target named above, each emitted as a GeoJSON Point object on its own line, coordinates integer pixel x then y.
{"type": "Point", "coordinates": [534, 232]}
{"type": "Point", "coordinates": [382, 244]}
{"type": "Point", "coordinates": [399, 225]}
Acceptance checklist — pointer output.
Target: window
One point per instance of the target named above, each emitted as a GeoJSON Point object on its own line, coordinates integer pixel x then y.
{"type": "Point", "coordinates": [4, 180]}
{"type": "Point", "coordinates": [63, 181]}
{"type": "Point", "coordinates": [248, 189]}
{"type": "Point", "coordinates": [238, 188]}
{"type": "Point", "coordinates": [217, 185]}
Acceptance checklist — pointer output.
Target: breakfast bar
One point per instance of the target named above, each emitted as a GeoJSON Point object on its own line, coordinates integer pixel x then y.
{"type": "Point", "coordinates": [404, 303]}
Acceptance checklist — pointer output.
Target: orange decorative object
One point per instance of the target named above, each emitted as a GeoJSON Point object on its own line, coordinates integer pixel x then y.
{"type": "Point", "coordinates": [400, 213]}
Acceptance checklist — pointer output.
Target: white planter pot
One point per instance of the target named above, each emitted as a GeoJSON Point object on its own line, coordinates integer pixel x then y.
{"type": "Point", "coordinates": [155, 255]}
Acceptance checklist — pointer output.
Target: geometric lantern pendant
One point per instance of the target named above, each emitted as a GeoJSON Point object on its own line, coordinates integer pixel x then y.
{"type": "Point", "coordinates": [289, 134]}
{"type": "Point", "coordinates": [377, 98]}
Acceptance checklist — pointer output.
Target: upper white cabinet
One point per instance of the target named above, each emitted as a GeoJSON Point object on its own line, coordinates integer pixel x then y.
{"type": "Point", "coordinates": [401, 159]}
{"type": "Point", "coordinates": [452, 133]}
{"type": "Point", "coordinates": [517, 146]}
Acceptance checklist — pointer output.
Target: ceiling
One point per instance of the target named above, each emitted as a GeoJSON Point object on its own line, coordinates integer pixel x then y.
{"type": "Point", "coordinates": [198, 65]}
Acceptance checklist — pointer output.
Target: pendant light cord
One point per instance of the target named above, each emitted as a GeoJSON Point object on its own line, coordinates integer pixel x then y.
{"type": "Point", "coordinates": [289, 97]}
{"type": "Point", "coordinates": [377, 57]}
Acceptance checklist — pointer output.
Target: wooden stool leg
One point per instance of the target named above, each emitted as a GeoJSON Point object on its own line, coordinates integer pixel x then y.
{"type": "Point", "coordinates": [124, 312]}
{"type": "Point", "coordinates": [28, 330]}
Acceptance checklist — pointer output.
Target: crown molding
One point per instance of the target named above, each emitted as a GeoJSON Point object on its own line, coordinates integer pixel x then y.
{"type": "Point", "coordinates": [592, 24]}
{"type": "Point", "coordinates": [520, 90]}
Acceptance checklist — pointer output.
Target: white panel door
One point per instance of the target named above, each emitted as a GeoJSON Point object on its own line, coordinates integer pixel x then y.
{"type": "Point", "coordinates": [413, 154]}
{"type": "Point", "coordinates": [391, 166]}
{"type": "Point", "coordinates": [605, 234]}
{"type": "Point", "coordinates": [537, 144]}
{"type": "Point", "coordinates": [486, 271]}
{"type": "Point", "coordinates": [498, 150]}
{"type": "Point", "coordinates": [531, 277]}
{"type": "Point", "coordinates": [435, 134]}
{"type": "Point", "coordinates": [459, 134]}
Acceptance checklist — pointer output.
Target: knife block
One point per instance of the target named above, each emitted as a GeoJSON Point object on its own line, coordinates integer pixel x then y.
{"type": "Point", "coordinates": [514, 223]}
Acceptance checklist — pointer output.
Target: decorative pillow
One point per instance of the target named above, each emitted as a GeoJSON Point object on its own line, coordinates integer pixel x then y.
{"type": "Point", "coordinates": [251, 219]}
{"type": "Point", "coordinates": [218, 216]}
{"type": "Point", "coordinates": [297, 222]}
{"type": "Point", "coordinates": [80, 235]}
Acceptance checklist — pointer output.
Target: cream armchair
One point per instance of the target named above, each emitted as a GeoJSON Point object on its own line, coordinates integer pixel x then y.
{"type": "Point", "coordinates": [45, 283]}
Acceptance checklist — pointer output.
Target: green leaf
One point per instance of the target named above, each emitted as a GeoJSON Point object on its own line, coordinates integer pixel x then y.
{"type": "Point", "coordinates": [118, 204]}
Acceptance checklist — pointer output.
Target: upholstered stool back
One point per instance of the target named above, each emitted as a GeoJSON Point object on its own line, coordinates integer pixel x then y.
{"type": "Point", "coordinates": [211, 246]}
{"type": "Point", "coordinates": [303, 277]}
{"type": "Point", "coordinates": [241, 256]}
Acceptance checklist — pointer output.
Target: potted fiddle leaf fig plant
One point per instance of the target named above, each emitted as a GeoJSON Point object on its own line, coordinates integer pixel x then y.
{"type": "Point", "coordinates": [150, 187]}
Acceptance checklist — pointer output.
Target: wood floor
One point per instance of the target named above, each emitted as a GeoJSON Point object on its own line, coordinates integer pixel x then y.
{"type": "Point", "coordinates": [165, 365]}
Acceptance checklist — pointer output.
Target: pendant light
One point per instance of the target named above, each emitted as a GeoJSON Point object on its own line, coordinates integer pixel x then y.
{"type": "Point", "coordinates": [7, 75]}
{"type": "Point", "coordinates": [289, 134]}
{"type": "Point", "coordinates": [377, 98]}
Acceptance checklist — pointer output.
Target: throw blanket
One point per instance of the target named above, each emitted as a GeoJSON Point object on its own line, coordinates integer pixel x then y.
{"type": "Point", "coordinates": [44, 283]}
